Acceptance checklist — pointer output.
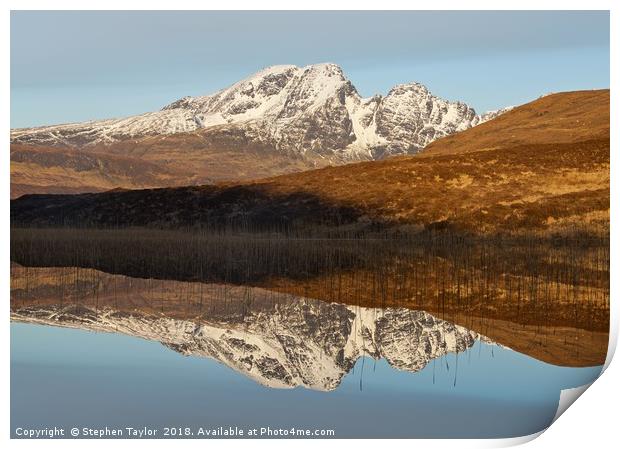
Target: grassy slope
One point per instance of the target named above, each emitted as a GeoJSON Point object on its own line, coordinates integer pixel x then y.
{"type": "Point", "coordinates": [151, 162]}
{"type": "Point", "coordinates": [566, 117]}
{"type": "Point", "coordinates": [38, 169]}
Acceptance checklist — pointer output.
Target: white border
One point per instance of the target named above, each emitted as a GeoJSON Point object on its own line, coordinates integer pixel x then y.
{"type": "Point", "coordinates": [592, 421]}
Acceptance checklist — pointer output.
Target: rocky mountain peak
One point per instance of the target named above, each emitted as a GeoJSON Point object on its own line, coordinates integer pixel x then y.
{"type": "Point", "coordinates": [313, 110]}
{"type": "Point", "coordinates": [289, 343]}
{"type": "Point", "coordinates": [401, 89]}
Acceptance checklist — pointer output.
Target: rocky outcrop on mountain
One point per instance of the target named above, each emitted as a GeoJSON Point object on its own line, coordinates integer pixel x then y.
{"type": "Point", "coordinates": [311, 111]}
{"type": "Point", "coordinates": [282, 341]}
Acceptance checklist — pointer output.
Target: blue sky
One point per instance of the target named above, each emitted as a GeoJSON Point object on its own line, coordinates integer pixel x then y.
{"type": "Point", "coordinates": [74, 65]}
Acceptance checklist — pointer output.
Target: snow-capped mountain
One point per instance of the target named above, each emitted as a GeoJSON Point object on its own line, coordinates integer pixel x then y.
{"type": "Point", "coordinates": [293, 342]}
{"type": "Point", "coordinates": [309, 111]}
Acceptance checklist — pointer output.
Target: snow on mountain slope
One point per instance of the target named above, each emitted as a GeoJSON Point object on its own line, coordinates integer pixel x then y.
{"type": "Point", "coordinates": [290, 342]}
{"type": "Point", "coordinates": [299, 110]}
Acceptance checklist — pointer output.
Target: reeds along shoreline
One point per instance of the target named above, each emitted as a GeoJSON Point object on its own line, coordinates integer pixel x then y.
{"type": "Point", "coordinates": [87, 294]}
{"type": "Point", "coordinates": [529, 279]}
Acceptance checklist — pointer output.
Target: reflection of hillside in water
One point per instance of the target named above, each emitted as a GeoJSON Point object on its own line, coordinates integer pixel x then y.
{"type": "Point", "coordinates": [277, 339]}
{"type": "Point", "coordinates": [559, 344]}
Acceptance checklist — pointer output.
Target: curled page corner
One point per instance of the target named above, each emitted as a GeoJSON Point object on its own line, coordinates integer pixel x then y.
{"type": "Point", "coordinates": [568, 397]}
{"type": "Point", "coordinates": [613, 341]}
{"type": "Point", "coordinates": [517, 441]}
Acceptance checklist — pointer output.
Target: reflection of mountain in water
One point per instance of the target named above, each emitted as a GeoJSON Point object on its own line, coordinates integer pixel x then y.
{"type": "Point", "coordinates": [278, 340]}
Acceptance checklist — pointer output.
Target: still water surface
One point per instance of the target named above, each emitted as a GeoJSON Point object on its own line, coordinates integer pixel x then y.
{"type": "Point", "coordinates": [71, 377]}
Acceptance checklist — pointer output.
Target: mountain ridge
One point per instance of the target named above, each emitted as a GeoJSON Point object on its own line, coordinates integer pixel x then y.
{"type": "Point", "coordinates": [294, 109]}
{"type": "Point", "coordinates": [292, 342]}
{"type": "Point", "coordinates": [282, 119]}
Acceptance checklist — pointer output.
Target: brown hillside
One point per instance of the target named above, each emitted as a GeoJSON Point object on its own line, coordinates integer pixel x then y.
{"type": "Point", "coordinates": [160, 161]}
{"type": "Point", "coordinates": [566, 117]}
{"type": "Point", "coordinates": [38, 169]}
{"type": "Point", "coordinates": [216, 154]}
